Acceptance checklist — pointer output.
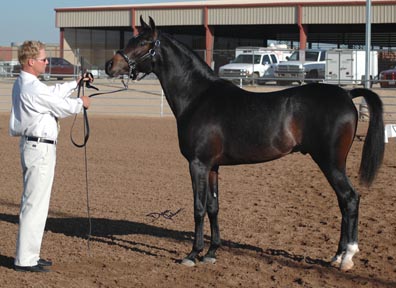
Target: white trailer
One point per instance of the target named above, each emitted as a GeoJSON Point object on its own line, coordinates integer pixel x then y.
{"type": "Point", "coordinates": [345, 67]}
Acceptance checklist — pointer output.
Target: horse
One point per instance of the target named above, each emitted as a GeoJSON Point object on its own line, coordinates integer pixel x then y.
{"type": "Point", "coordinates": [219, 124]}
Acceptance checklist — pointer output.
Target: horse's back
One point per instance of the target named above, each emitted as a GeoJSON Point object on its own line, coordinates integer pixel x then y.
{"type": "Point", "coordinates": [247, 127]}
{"type": "Point", "coordinates": [312, 107]}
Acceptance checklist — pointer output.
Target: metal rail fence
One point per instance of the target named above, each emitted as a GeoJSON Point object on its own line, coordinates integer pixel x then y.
{"type": "Point", "coordinates": [145, 98]}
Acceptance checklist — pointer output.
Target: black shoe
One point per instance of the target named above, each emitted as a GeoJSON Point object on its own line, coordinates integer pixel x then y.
{"type": "Point", "coordinates": [45, 263]}
{"type": "Point", "coordinates": [36, 268]}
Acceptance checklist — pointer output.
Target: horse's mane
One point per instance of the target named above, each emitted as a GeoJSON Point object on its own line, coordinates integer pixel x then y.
{"type": "Point", "coordinates": [195, 60]}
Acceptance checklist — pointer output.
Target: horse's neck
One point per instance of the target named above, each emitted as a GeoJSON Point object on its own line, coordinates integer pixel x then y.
{"type": "Point", "coordinates": [183, 76]}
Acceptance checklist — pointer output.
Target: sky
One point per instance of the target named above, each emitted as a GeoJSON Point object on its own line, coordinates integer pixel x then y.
{"type": "Point", "coordinates": [35, 19]}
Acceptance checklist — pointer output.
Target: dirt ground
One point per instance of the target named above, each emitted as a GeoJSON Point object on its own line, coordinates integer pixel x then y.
{"type": "Point", "coordinates": [279, 220]}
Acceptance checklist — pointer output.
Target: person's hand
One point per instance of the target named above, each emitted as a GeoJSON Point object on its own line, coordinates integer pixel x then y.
{"type": "Point", "coordinates": [87, 77]}
{"type": "Point", "coordinates": [86, 101]}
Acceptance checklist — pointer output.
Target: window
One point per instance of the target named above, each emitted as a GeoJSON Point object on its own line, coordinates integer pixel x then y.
{"type": "Point", "coordinates": [274, 59]}
{"type": "Point", "coordinates": [247, 58]}
{"type": "Point", "coordinates": [266, 60]}
{"type": "Point", "coordinates": [311, 56]}
{"type": "Point", "coordinates": [323, 56]}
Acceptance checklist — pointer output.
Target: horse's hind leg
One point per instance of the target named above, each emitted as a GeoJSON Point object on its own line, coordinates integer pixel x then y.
{"type": "Point", "coordinates": [348, 201]}
{"type": "Point", "coordinates": [213, 210]}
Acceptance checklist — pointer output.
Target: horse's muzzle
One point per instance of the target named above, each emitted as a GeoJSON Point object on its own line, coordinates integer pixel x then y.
{"type": "Point", "coordinates": [108, 68]}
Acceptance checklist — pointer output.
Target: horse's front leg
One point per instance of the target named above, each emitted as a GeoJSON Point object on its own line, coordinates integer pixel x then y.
{"type": "Point", "coordinates": [213, 211]}
{"type": "Point", "coordinates": [200, 183]}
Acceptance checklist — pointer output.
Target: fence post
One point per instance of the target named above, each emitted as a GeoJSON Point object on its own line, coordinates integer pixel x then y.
{"type": "Point", "coordinates": [363, 110]}
{"type": "Point", "coordinates": [162, 104]}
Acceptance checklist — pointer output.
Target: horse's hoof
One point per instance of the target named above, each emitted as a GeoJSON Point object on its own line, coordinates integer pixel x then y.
{"type": "Point", "coordinates": [210, 260]}
{"type": "Point", "coordinates": [346, 265]}
{"type": "Point", "coordinates": [188, 262]}
{"type": "Point", "coordinates": [347, 262]}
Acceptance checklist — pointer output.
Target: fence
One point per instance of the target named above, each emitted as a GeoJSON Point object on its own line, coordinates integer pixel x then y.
{"type": "Point", "coordinates": [145, 98]}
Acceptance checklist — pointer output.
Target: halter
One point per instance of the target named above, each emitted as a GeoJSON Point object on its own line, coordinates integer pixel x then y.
{"type": "Point", "coordinates": [133, 73]}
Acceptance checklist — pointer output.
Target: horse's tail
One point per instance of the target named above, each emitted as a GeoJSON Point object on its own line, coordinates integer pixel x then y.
{"type": "Point", "coordinates": [374, 144]}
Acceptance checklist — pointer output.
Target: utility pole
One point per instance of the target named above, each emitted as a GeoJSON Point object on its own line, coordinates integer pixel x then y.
{"type": "Point", "coordinates": [363, 109]}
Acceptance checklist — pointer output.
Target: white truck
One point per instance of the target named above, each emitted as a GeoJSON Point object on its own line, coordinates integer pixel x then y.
{"type": "Point", "coordinates": [345, 67]}
{"type": "Point", "coordinates": [250, 64]}
{"type": "Point", "coordinates": [302, 66]}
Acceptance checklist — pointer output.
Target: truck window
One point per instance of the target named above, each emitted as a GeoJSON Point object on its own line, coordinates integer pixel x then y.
{"type": "Point", "coordinates": [295, 56]}
{"type": "Point", "coordinates": [266, 59]}
{"type": "Point", "coordinates": [323, 56]}
{"type": "Point", "coordinates": [274, 59]}
{"type": "Point", "coordinates": [248, 58]}
{"type": "Point", "coordinates": [311, 56]}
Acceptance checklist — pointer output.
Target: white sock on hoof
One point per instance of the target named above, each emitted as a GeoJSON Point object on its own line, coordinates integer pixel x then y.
{"type": "Point", "coordinates": [347, 262]}
{"type": "Point", "coordinates": [187, 262]}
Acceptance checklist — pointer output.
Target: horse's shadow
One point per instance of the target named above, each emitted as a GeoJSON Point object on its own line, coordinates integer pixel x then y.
{"type": "Point", "coordinates": [108, 231]}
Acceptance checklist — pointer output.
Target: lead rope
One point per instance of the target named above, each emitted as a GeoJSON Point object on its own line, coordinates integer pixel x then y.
{"type": "Point", "coordinates": [86, 132]}
{"type": "Point", "coordinates": [84, 145]}
{"type": "Point", "coordinates": [86, 136]}
{"type": "Point", "coordinates": [87, 200]}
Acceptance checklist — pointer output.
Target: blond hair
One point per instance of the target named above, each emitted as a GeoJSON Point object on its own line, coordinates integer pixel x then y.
{"type": "Point", "coordinates": [29, 50]}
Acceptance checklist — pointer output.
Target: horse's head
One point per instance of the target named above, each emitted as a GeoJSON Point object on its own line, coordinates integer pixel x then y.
{"type": "Point", "coordinates": [137, 55]}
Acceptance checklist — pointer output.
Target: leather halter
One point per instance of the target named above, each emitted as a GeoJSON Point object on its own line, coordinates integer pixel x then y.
{"type": "Point", "coordinates": [133, 73]}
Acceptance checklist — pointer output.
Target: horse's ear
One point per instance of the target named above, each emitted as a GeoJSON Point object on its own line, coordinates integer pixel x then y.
{"type": "Point", "coordinates": [143, 24]}
{"type": "Point", "coordinates": [152, 23]}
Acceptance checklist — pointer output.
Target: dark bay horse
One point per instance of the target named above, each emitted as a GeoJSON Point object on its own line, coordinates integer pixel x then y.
{"type": "Point", "coordinates": [221, 124]}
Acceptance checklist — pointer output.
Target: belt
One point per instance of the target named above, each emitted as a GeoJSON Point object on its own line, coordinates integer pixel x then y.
{"type": "Point", "coordinates": [41, 140]}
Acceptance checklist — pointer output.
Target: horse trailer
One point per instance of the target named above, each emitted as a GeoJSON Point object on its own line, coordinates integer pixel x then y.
{"type": "Point", "coordinates": [348, 67]}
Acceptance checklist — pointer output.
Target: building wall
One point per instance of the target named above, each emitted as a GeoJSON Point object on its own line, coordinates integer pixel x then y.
{"type": "Point", "coordinates": [97, 32]}
{"type": "Point", "coordinates": [102, 18]}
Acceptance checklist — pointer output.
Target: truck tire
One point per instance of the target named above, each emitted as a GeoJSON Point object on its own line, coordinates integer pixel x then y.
{"type": "Point", "coordinates": [255, 76]}
{"type": "Point", "coordinates": [313, 74]}
{"type": "Point", "coordinates": [283, 82]}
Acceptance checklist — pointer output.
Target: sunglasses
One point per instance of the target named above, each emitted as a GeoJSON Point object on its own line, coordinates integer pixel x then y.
{"type": "Point", "coordinates": [42, 59]}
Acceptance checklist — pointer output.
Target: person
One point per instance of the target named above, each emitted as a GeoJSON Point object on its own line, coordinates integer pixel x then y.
{"type": "Point", "coordinates": [35, 111]}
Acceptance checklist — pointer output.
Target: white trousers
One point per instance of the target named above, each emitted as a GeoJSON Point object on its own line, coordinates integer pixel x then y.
{"type": "Point", "coordinates": [38, 167]}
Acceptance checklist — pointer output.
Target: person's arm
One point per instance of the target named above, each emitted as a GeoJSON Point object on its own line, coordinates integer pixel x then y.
{"type": "Point", "coordinates": [43, 100]}
{"type": "Point", "coordinates": [66, 89]}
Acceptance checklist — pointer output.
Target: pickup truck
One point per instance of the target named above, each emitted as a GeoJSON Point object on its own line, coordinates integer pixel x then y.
{"type": "Point", "coordinates": [298, 69]}
{"type": "Point", "coordinates": [250, 65]}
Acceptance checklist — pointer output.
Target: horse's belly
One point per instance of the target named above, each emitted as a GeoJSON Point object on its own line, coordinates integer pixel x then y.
{"type": "Point", "coordinates": [253, 155]}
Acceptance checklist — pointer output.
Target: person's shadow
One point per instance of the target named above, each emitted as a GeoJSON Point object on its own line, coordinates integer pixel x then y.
{"type": "Point", "coordinates": [7, 262]}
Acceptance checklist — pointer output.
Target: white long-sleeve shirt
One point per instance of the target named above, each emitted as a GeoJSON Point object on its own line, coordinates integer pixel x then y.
{"type": "Point", "coordinates": [36, 106]}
